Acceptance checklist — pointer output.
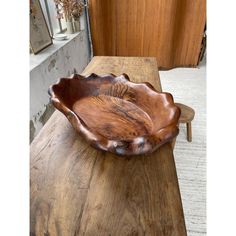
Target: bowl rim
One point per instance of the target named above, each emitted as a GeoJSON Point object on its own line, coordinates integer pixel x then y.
{"type": "Point", "coordinates": [162, 136]}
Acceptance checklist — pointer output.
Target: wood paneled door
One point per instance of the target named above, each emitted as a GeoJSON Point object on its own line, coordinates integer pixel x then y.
{"type": "Point", "coordinates": [170, 30]}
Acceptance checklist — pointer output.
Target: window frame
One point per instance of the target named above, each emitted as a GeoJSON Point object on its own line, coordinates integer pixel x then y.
{"type": "Point", "coordinates": [49, 17]}
{"type": "Point", "coordinates": [48, 14]}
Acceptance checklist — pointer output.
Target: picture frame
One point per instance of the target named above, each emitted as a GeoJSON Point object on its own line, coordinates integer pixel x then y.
{"type": "Point", "coordinates": [40, 37]}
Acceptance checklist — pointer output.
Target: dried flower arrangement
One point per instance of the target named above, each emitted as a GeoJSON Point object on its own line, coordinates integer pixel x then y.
{"type": "Point", "coordinates": [69, 9]}
{"type": "Point", "coordinates": [77, 11]}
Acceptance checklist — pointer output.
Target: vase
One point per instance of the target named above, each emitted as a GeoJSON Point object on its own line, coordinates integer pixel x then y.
{"type": "Point", "coordinates": [69, 26]}
{"type": "Point", "coordinates": [76, 25]}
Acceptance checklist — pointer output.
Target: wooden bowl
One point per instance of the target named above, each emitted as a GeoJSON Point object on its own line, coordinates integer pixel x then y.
{"type": "Point", "coordinates": [115, 114]}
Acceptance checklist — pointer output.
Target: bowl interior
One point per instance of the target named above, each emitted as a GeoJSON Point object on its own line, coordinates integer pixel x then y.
{"type": "Point", "coordinates": [116, 108]}
{"type": "Point", "coordinates": [113, 118]}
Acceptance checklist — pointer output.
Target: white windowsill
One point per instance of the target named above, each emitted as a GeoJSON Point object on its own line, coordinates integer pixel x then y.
{"type": "Point", "coordinates": [36, 60]}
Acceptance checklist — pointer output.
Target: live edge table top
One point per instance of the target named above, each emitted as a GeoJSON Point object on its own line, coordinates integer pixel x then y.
{"type": "Point", "coordinates": [78, 190]}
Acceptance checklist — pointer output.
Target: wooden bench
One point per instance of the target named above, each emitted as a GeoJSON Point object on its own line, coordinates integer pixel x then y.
{"type": "Point", "coordinates": [78, 190]}
{"type": "Point", "coordinates": [186, 117]}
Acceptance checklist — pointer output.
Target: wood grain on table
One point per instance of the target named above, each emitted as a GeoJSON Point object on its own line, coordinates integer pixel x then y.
{"type": "Point", "coordinates": [78, 190]}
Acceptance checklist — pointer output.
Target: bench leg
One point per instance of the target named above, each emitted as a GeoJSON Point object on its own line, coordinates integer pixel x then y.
{"type": "Point", "coordinates": [189, 131]}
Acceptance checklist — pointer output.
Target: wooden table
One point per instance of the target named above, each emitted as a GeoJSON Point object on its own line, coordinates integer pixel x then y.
{"type": "Point", "coordinates": [78, 190]}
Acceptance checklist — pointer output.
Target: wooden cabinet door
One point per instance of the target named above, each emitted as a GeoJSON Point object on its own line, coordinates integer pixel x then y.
{"type": "Point", "coordinates": [170, 30]}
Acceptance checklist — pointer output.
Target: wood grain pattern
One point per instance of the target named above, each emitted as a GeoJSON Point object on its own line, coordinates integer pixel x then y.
{"type": "Point", "coordinates": [187, 113]}
{"type": "Point", "coordinates": [118, 125]}
{"type": "Point", "coordinates": [78, 190]}
{"type": "Point", "coordinates": [115, 114]}
{"type": "Point", "coordinates": [128, 192]}
{"type": "Point", "coordinates": [170, 30]}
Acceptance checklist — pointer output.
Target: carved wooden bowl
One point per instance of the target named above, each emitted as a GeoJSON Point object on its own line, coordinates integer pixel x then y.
{"type": "Point", "coordinates": [115, 114]}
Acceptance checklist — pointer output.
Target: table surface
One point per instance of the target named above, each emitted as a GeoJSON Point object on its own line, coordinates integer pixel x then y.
{"type": "Point", "coordinates": [78, 190]}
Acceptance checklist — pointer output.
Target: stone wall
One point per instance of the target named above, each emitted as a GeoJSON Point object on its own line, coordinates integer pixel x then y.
{"type": "Point", "coordinates": [59, 61]}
